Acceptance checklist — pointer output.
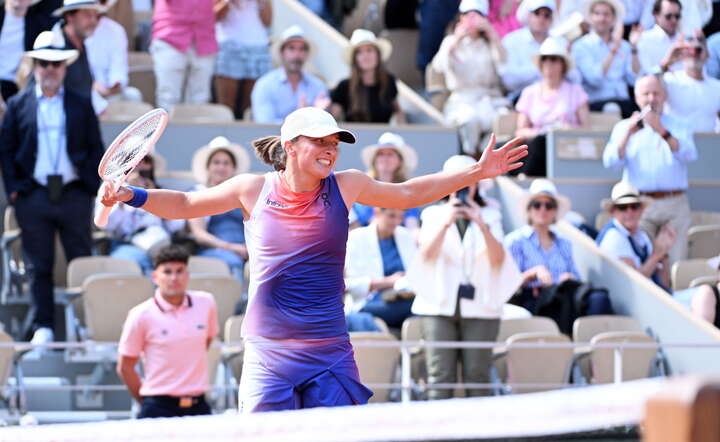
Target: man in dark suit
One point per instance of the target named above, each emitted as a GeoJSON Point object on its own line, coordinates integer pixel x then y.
{"type": "Point", "coordinates": [20, 23]}
{"type": "Point", "coordinates": [50, 148]}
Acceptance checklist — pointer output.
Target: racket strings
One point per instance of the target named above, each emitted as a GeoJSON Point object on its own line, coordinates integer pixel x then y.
{"type": "Point", "coordinates": [133, 145]}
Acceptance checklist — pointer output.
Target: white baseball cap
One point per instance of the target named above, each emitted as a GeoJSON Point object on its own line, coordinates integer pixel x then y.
{"type": "Point", "coordinates": [458, 162]}
{"type": "Point", "coordinates": [312, 122]}
{"type": "Point", "coordinates": [474, 5]}
{"type": "Point", "coordinates": [528, 6]}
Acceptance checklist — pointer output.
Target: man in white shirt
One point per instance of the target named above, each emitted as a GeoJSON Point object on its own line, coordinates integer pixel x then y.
{"type": "Point", "coordinates": [655, 42]}
{"type": "Point", "coordinates": [622, 237]}
{"type": "Point", "coordinates": [654, 151]}
{"type": "Point", "coordinates": [107, 52]}
{"type": "Point", "coordinates": [521, 45]}
{"type": "Point", "coordinates": [692, 95]}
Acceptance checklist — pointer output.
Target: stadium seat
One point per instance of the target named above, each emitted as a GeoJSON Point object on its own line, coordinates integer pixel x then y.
{"type": "Point", "coordinates": [636, 362]}
{"type": "Point", "coordinates": [504, 126]}
{"type": "Point", "coordinates": [602, 121]}
{"type": "Point", "coordinates": [7, 360]}
{"type": "Point", "coordinates": [536, 365]}
{"type": "Point", "coordinates": [510, 327]}
{"type": "Point", "coordinates": [435, 87]}
{"type": "Point", "coordinates": [376, 364]}
{"type": "Point", "coordinates": [587, 327]}
{"type": "Point", "coordinates": [79, 269]}
{"type": "Point", "coordinates": [107, 299]}
{"type": "Point", "coordinates": [125, 111]}
{"type": "Point", "coordinates": [412, 331]}
{"type": "Point", "coordinates": [712, 280]}
{"type": "Point", "coordinates": [685, 271]}
{"type": "Point", "coordinates": [141, 74]}
{"type": "Point", "coordinates": [225, 289]}
{"type": "Point", "coordinates": [701, 218]}
{"type": "Point", "coordinates": [232, 356]}
{"type": "Point", "coordinates": [404, 42]}
{"type": "Point", "coordinates": [201, 113]}
{"type": "Point", "coordinates": [207, 265]}
{"type": "Point", "coordinates": [704, 241]}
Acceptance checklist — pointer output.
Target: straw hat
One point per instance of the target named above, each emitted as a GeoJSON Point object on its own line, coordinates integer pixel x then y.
{"type": "Point", "coordinates": [528, 6]}
{"type": "Point", "coordinates": [554, 46]}
{"type": "Point", "coordinates": [544, 187]}
{"type": "Point", "coordinates": [624, 193]}
{"type": "Point", "coordinates": [617, 6]}
{"type": "Point", "coordinates": [73, 5]}
{"type": "Point", "coordinates": [50, 46]}
{"type": "Point", "coordinates": [293, 33]}
{"type": "Point", "coordinates": [362, 37]}
{"type": "Point", "coordinates": [392, 141]}
{"type": "Point", "coordinates": [480, 6]}
{"type": "Point", "coordinates": [202, 155]}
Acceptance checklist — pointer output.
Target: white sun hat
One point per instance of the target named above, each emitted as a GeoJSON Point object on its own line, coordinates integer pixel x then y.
{"type": "Point", "coordinates": [312, 122]}
{"type": "Point", "coordinates": [544, 187]}
{"type": "Point", "coordinates": [392, 141]}
{"type": "Point", "coordinates": [50, 46]}
{"type": "Point", "coordinates": [624, 193]}
{"type": "Point", "coordinates": [554, 46]}
{"type": "Point", "coordinates": [73, 5]}
{"type": "Point", "coordinates": [480, 6]}
{"type": "Point", "coordinates": [528, 6]}
{"type": "Point", "coordinates": [202, 155]}
{"type": "Point", "coordinates": [361, 37]}
{"type": "Point", "coordinates": [293, 33]}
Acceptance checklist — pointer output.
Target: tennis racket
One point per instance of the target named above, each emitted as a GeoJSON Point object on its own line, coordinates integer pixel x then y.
{"type": "Point", "coordinates": [127, 150]}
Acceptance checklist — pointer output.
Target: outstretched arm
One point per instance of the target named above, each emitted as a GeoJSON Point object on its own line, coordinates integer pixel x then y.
{"type": "Point", "coordinates": [240, 191]}
{"type": "Point", "coordinates": [358, 187]}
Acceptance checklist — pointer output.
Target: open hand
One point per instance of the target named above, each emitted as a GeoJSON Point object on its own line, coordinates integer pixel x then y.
{"type": "Point", "coordinates": [494, 162]}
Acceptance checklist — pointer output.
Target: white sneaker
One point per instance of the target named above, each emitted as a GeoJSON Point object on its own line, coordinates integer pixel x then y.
{"type": "Point", "coordinates": [43, 335]}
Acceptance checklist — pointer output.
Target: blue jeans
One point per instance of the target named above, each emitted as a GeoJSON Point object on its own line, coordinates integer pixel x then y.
{"type": "Point", "coordinates": [393, 313]}
{"type": "Point", "coordinates": [124, 250]}
{"type": "Point", "coordinates": [235, 262]}
{"type": "Point", "coordinates": [435, 15]}
{"type": "Point", "coordinates": [360, 322]}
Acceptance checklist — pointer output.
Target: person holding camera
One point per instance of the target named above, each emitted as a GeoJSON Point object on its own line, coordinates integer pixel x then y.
{"type": "Point", "coordinates": [462, 279]}
{"type": "Point", "coordinates": [691, 94]}
{"type": "Point", "coordinates": [654, 148]}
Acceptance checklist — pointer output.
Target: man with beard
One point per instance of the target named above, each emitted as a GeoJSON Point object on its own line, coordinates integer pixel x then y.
{"type": "Point", "coordinates": [287, 88]}
{"type": "Point", "coordinates": [50, 147]}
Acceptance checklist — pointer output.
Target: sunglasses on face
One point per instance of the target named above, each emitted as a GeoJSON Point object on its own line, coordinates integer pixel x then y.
{"type": "Point", "coordinates": [549, 205]}
{"type": "Point", "coordinates": [46, 63]}
{"type": "Point", "coordinates": [672, 16]}
{"type": "Point", "coordinates": [624, 207]}
{"type": "Point", "coordinates": [552, 58]}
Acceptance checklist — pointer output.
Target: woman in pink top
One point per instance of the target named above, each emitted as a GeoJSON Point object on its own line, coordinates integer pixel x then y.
{"type": "Point", "coordinates": [297, 349]}
{"type": "Point", "coordinates": [551, 103]}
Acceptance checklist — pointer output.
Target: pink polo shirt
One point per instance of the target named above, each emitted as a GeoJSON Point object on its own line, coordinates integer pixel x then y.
{"type": "Point", "coordinates": [172, 341]}
{"type": "Point", "coordinates": [185, 24]}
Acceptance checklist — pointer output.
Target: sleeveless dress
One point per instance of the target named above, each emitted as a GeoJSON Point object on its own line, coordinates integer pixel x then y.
{"type": "Point", "coordinates": [297, 349]}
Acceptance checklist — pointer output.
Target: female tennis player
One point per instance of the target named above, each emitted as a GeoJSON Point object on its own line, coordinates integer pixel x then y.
{"type": "Point", "coordinates": [297, 349]}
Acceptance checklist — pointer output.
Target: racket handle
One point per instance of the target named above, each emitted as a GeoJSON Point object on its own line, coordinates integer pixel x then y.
{"type": "Point", "coordinates": [101, 218]}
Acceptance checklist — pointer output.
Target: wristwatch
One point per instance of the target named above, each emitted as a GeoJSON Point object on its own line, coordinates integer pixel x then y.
{"type": "Point", "coordinates": [666, 135]}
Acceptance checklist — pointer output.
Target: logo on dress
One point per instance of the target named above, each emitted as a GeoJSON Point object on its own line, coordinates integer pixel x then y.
{"type": "Point", "coordinates": [277, 204]}
{"type": "Point", "coordinates": [326, 199]}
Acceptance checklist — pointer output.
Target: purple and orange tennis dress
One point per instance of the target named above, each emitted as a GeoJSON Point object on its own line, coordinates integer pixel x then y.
{"type": "Point", "coordinates": [297, 349]}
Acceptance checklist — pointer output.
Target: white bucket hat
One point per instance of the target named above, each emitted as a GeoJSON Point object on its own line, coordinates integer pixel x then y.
{"type": "Point", "coordinates": [624, 193]}
{"type": "Point", "coordinates": [392, 141]}
{"type": "Point", "coordinates": [480, 6]}
{"type": "Point", "coordinates": [528, 6]}
{"type": "Point", "coordinates": [294, 32]}
{"type": "Point", "coordinates": [73, 5]}
{"type": "Point", "coordinates": [617, 6]}
{"type": "Point", "coordinates": [554, 46]}
{"type": "Point", "coordinates": [544, 187]}
{"type": "Point", "coordinates": [312, 122]}
{"type": "Point", "coordinates": [362, 37]}
{"type": "Point", "coordinates": [457, 162]}
{"type": "Point", "coordinates": [202, 155]}
{"type": "Point", "coordinates": [50, 46]}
